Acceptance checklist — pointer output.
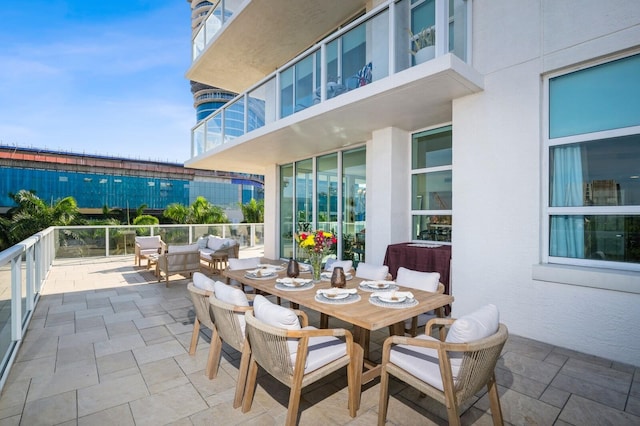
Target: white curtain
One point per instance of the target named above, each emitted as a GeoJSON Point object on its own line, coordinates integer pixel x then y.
{"type": "Point", "coordinates": [567, 232]}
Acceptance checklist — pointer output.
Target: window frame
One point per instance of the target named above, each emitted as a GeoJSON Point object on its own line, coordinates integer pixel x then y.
{"type": "Point", "coordinates": [547, 211]}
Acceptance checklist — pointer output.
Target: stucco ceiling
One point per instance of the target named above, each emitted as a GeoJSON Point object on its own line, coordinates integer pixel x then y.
{"type": "Point", "coordinates": [263, 36]}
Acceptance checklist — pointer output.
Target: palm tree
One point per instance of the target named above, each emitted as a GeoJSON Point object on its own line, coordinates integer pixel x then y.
{"type": "Point", "coordinates": [201, 211]}
{"type": "Point", "coordinates": [32, 215]}
{"type": "Point", "coordinates": [253, 211]}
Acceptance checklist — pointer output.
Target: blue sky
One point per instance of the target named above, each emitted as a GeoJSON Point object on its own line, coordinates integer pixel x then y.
{"type": "Point", "coordinates": [97, 77]}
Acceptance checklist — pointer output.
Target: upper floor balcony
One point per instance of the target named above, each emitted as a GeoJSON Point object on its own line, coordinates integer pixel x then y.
{"type": "Point", "coordinates": [399, 65]}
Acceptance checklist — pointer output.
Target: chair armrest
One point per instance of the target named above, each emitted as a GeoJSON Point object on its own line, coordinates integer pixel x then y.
{"type": "Point", "coordinates": [302, 315]}
{"type": "Point", "coordinates": [439, 323]}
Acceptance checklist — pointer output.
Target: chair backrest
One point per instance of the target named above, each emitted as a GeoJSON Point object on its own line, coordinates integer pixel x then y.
{"type": "Point", "coordinates": [347, 265]}
{"type": "Point", "coordinates": [372, 272]}
{"type": "Point", "coordinates": [148, 242]}
{"type": "Point", "coordinates": [246, 263]}
{"type": "Point", "coordinates": [477, 362]}
{"type": "Point", "coordinates": [267, 327]}
{"type": "Point", "coordinates": [228, 306]}
{"type": "Point", "coordinates": [427, 281]}
{"type": "Point", "coordinates": [200, 300]}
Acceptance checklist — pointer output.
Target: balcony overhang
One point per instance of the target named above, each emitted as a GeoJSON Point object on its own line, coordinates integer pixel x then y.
{"type": "Point", "coordinates": [263, 36]}
{"type": "Point", "coordinates": [411, 99]}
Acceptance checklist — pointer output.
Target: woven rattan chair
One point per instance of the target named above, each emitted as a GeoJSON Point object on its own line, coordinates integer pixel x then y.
{"type": "Point", "coordinates": [229, 326]}
{"type": "Point", "coordinates": [270, 347]}
{"type": "Point", "coordinates": [200, 300]}
{"type": "Point", "coordinates": [426, 281]}
{"type": "Point", "coordinates": [450, 373]}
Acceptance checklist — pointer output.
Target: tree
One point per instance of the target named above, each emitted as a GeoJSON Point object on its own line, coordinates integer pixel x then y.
{"type": "Point", "coordinates": [253, 211]}
{"type": "Point", "coordinates": [32, 215]}
{"type": "Point", "coordinates": [201, 211]}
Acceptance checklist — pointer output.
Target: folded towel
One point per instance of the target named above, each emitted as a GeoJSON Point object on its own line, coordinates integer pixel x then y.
{"type": "Point", "coordinates": [390, 294]}
{"type": "Point", "coordinates": [334, 290]}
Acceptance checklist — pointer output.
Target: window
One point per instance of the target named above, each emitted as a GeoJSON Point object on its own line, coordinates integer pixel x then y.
{"type": "Point", "coordinates": [593, 149]}
{"type": "Point", "coordinates": [431, 178]}
{"type": "Point", "coordinates": [326, 192]}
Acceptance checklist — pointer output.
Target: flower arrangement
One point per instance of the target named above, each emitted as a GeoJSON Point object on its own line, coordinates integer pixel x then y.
{"type": "Point", "coordinates": [425, 38]}
{"type": "Point", "coordinates": [316, 244]}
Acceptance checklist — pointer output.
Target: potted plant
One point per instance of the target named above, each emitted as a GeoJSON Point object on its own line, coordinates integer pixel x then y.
{"type": "Point", "coordinates": [424, 44]}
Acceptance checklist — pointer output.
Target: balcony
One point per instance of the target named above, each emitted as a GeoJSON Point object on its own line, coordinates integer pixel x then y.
{"type": "Point", "coordinates": [360, 78]}
{"type": "Point", "coordinates": [107, 343]}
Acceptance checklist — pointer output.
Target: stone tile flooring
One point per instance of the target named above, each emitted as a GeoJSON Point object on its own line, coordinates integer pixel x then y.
{"type": "Point", "coordinates": [108, 345]}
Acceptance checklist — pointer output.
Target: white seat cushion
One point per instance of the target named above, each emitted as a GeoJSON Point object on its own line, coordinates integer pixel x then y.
{"type": "Point", "coordinates": [203, 282]}
{"type": "Point", "coordinates": [421, 362]}
{"type": "Point", "coordinates": [372, 272]}
{"type": "Point", "coordinates": [476, 325]}
{"type": "Point", "coordinates": [322, 350]}
{"type": "Point", "coordinates": [426, 281]}
{"type": "Point", "coordinates": [247, 263]}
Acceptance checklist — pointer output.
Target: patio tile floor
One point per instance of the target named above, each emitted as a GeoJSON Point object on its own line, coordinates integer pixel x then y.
{"type": "Point", "coordinates": [108, 344]}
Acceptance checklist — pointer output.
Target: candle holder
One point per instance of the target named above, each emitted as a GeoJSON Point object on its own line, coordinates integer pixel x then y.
{"type": "Point", "coordinates": [293, 269]}
{"type": "Point", "coordinates": [338, 278]}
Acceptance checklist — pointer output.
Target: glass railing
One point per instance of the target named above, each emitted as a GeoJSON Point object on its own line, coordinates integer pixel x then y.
{"type": "Point", "coordinates": [382, 42]}
{"type": "Point", "coordinates": [213, 23]}
{"type": "Point", "coordinates": [24, 266]}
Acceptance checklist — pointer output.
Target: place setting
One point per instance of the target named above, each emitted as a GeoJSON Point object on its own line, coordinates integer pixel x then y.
{"type": "Point", "coordinates": [378, 285]}
{"type": "Point", "coordinates": [261, 273]}
{"type": "Point", "coordinates": [337, 295]}
{"type": "Point", "coordinates": [393, 299]}
{"type": "Point", "coordinates": [294, 284]}
{"type": "Point", "coordinates": [326, 276]}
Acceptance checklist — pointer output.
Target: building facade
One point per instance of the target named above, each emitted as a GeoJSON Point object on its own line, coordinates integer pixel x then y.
{"type": "Point", "coordinates": [119, 183]}
{"type": "Point", "coordinates": [507, 129]}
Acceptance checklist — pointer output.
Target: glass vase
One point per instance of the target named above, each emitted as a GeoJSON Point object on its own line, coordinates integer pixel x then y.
{"type": "Point", "coordinates": [316, 266]}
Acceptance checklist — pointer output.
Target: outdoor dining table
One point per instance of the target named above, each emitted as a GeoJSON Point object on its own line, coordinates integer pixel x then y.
{"type": "Point", "coordinates": [361, 313]}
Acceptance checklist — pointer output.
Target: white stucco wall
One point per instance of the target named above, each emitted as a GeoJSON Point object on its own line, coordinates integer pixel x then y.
{"type": "Point", "coordinates": [497, 183]}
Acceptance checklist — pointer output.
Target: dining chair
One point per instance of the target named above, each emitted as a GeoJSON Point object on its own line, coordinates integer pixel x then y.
{"type": "Point", "coordinates": [365, 271]}
{"type": "Point", "coordinates": [200, 289]}
{"type": "Point", "coordinates": [281, 342]}
{"type": "Point", "coordinates": [450, 370]}
{"type": "Point", "coordinates": [426, 281]}
{"type": "Point", "coordinates": [227, 308]}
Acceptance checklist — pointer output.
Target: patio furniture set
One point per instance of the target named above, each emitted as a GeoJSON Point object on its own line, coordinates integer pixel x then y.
{"type": "Point", "coordinates": [451, 368]}
{"type": "Point", "coordinates": [184, 259]}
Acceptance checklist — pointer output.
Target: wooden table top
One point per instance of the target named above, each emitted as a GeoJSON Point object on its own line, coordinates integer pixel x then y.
{"type": "Point", "coordinates": [361, 313]}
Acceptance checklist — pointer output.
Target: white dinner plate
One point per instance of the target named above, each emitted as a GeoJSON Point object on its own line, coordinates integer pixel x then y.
{"type": "Point", "coordinates": [336, 296]}
{"type": "Point", "coordinates": [393, 299]}
{"type": "Point", "coordinates": [293, 282]}
{"type": "Point", "coordinates": [377, 284]}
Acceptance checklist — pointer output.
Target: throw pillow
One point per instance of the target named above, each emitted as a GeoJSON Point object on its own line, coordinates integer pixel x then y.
{"type": "Point", "coordinates": [231, 295]}
{"type": "Point", "coordinates": [477, 325]}
{"type": "Point", "coordinates": [372, 272]}
{"type": "Point", "coordinates": [427, 281]}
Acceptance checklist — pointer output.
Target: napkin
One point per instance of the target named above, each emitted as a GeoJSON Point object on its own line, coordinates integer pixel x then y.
{"type": "Point", "coordinates": [389, 294]}
{"type": "Point", "coordinates": [334, 290]}
{"type": "Point", "coordinates": [304, 267]}
{"type": "Point", "coordinates": [327, 275]}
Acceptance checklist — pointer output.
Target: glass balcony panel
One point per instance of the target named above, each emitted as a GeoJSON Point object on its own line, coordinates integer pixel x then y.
{"type": "Point", "coordinates": [305, 83]}
{"type": "Point", "coordinates": [458, 28]}
{"type": "Point", "coordinates": [198, 44]}
{"type": "Point", "coordinates": [198, 139]}
{"type": "Point", "coordinates": [5, 309]}
{"type": "Point", "coordinates": [286, 92]}
{"type": "Point", "coordinates": [213, 23]}
{"type": "Point", "coordinates": [231, 7]}
{"type": "Point", "coordinates": [262, 105]}
{"type": "Point", "coordinates": [234, 120]}
{"type": "Point", "coordinates": [214, 131]}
